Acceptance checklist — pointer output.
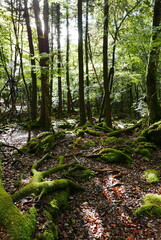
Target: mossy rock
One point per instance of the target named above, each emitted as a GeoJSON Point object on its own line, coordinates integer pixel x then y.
{"type": "Point", "coordinates": [151, 175]}
{"type": "Point", "coordinates": [102, 127]}
{"type": "Point", "coordinates": [151, 206]}
{"type": "Point", "coordinates": [153, 133]}
{"type": "Point", "coordinates": [111, 155]}
{"type": "Point", "coordinates": [93, 132]}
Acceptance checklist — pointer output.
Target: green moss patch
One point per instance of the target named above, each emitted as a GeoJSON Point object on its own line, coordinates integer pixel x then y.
{"type": "Point", "coordinates": [42, 144]}
{"type": "Point", "coordinates": [151, 175]}
{"type": "Point", "coordinates": [93, 132]}
{"type": "Point", "coordinates": [111, 155]}
{"type": "Point", "coordinates": [151, 206]}
{"type": "Point", "coordinates": [103, 127]}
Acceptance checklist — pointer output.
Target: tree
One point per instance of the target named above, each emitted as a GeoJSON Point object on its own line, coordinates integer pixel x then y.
{"type": "Point", "coordinates": [33, 64]}
{"type": "Point", "coordinates": [69, 96]}
{"type": "Point", "coordinates": [105, 66]}
{"type": "Point", "coordinates": [43, 44]}
{"type": "Point", "coordinates": [59, 62]}
{"type": "Point", "coordinates": [88, 104]}
{"type": "Point", "coordinates": [81, 70]}
{"type": "Point", "coordinates": [152, 68]}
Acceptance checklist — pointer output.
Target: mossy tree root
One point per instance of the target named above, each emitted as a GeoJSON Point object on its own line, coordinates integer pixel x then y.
{"type": "Point", "coordinates": [17, 226]}
{"type": "Point", "coordinates": [54, 193]}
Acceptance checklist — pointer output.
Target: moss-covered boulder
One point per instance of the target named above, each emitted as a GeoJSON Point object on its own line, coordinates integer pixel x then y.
{"type": "Point", "coordinates": [153, 133]}
{"type": "Point", "coordinates": [111, 155]}
{"type": "Point", "coordinates": [151, 175]}
{"type": "Point", "coordinates": [151, 206]}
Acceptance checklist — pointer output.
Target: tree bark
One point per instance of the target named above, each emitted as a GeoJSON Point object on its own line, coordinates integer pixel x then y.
{"type": "Point", "coordinates": [43, 44]}
{"type": "Point", "coordinates": [108, 119]}
{"type": "Point", "coordinates": [33, 64]}
{"type": "Point", "coordinates": [152, 68]}
{"type": "Point", "coordinates": [59, 62]}
{"type": "Point", "coordinates": [88, 104]}
{"type": "Point", "coordinates": [69, 96]}
{"type": "Point", "coordinates": [81, 69]}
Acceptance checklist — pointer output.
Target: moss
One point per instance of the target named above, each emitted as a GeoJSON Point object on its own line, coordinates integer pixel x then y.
{"type": "Point", "coordinates": [151, 175]}
{"type": "Point", "coordinates": [51, 233]}
{"type": "Point", "coordinates": [144, 152]}
{"type": "Point", "coordinates": [88, 144]}
{"type": "Point", "coordinates": [111, 155]}
{"type": "Point", "coordinates": [111, 140]}
{"type": "Point", "coordinates": [103, 127]}
{"type": "Point", "coordinates": [17, 183]}
{"type": "Point", "coordinates": [18, 226]}
{"type": "Point", "coordinates": [153, 133]}
{"type": "Point", "coordinates": [151, 206]}
{"type": "Point", "coordinates": [80, 133]}
{"type": "Point", "coordinates": [77, 142]}
{"type": "Point", "coordinates": [92, 132]}
{"type": "Point", "coordinates": [58, 202]}
{"type": "Point", "coordinates": [41, 144]}
{"type": "Point", "coordinates": [140, 139]}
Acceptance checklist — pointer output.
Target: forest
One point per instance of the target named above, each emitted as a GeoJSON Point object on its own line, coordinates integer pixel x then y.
{"type": "Point", "coordinates": [80, 119]}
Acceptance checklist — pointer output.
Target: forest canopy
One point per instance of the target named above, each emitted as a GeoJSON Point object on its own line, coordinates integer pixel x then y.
{"type": "Point", "coordinates": [46, 69]}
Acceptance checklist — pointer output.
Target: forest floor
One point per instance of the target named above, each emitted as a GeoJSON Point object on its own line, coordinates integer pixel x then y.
{"type": "Point", "coordinates": [105, 209]}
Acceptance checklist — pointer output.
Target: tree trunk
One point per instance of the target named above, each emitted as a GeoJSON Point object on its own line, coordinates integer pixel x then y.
{"type": "Point", "coordinates": [33, 64]}
{"type": "Point", "coordinates": [81, 70]}
{"type": "Point", "coordinates": [108, 119]}
{"type": "Point", "coordinates": [59, 62]}
{"type": "Point", "coordinates": [44, 62]}
{"type": "Point", "coordinates": [69, 96]}
{"type": "Point", "coordinates": [88, 104]}
{"type": "Point", "coordinates": [151, 78]}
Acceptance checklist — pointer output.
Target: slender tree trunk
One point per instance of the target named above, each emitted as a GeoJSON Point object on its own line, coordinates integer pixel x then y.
{"type": "Point", "coordinates": [59, 62]}
{"type": "Point", "coordinates": [105, 67]}
{"type": "Point", "coordinates": [33, 64]}
{"type": "Point", "coordinates": [151, 78]}
{"type": "Point", "coordinates": [44, 62]}
{"type": "Point", "coordinates": [69, 96]}
{"type": "Point", "coordinates": [81, 70]}
{"type": "Point", "coordinates": [52, 57]}
{"type": "Point", "coordinates": [88, 104]}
